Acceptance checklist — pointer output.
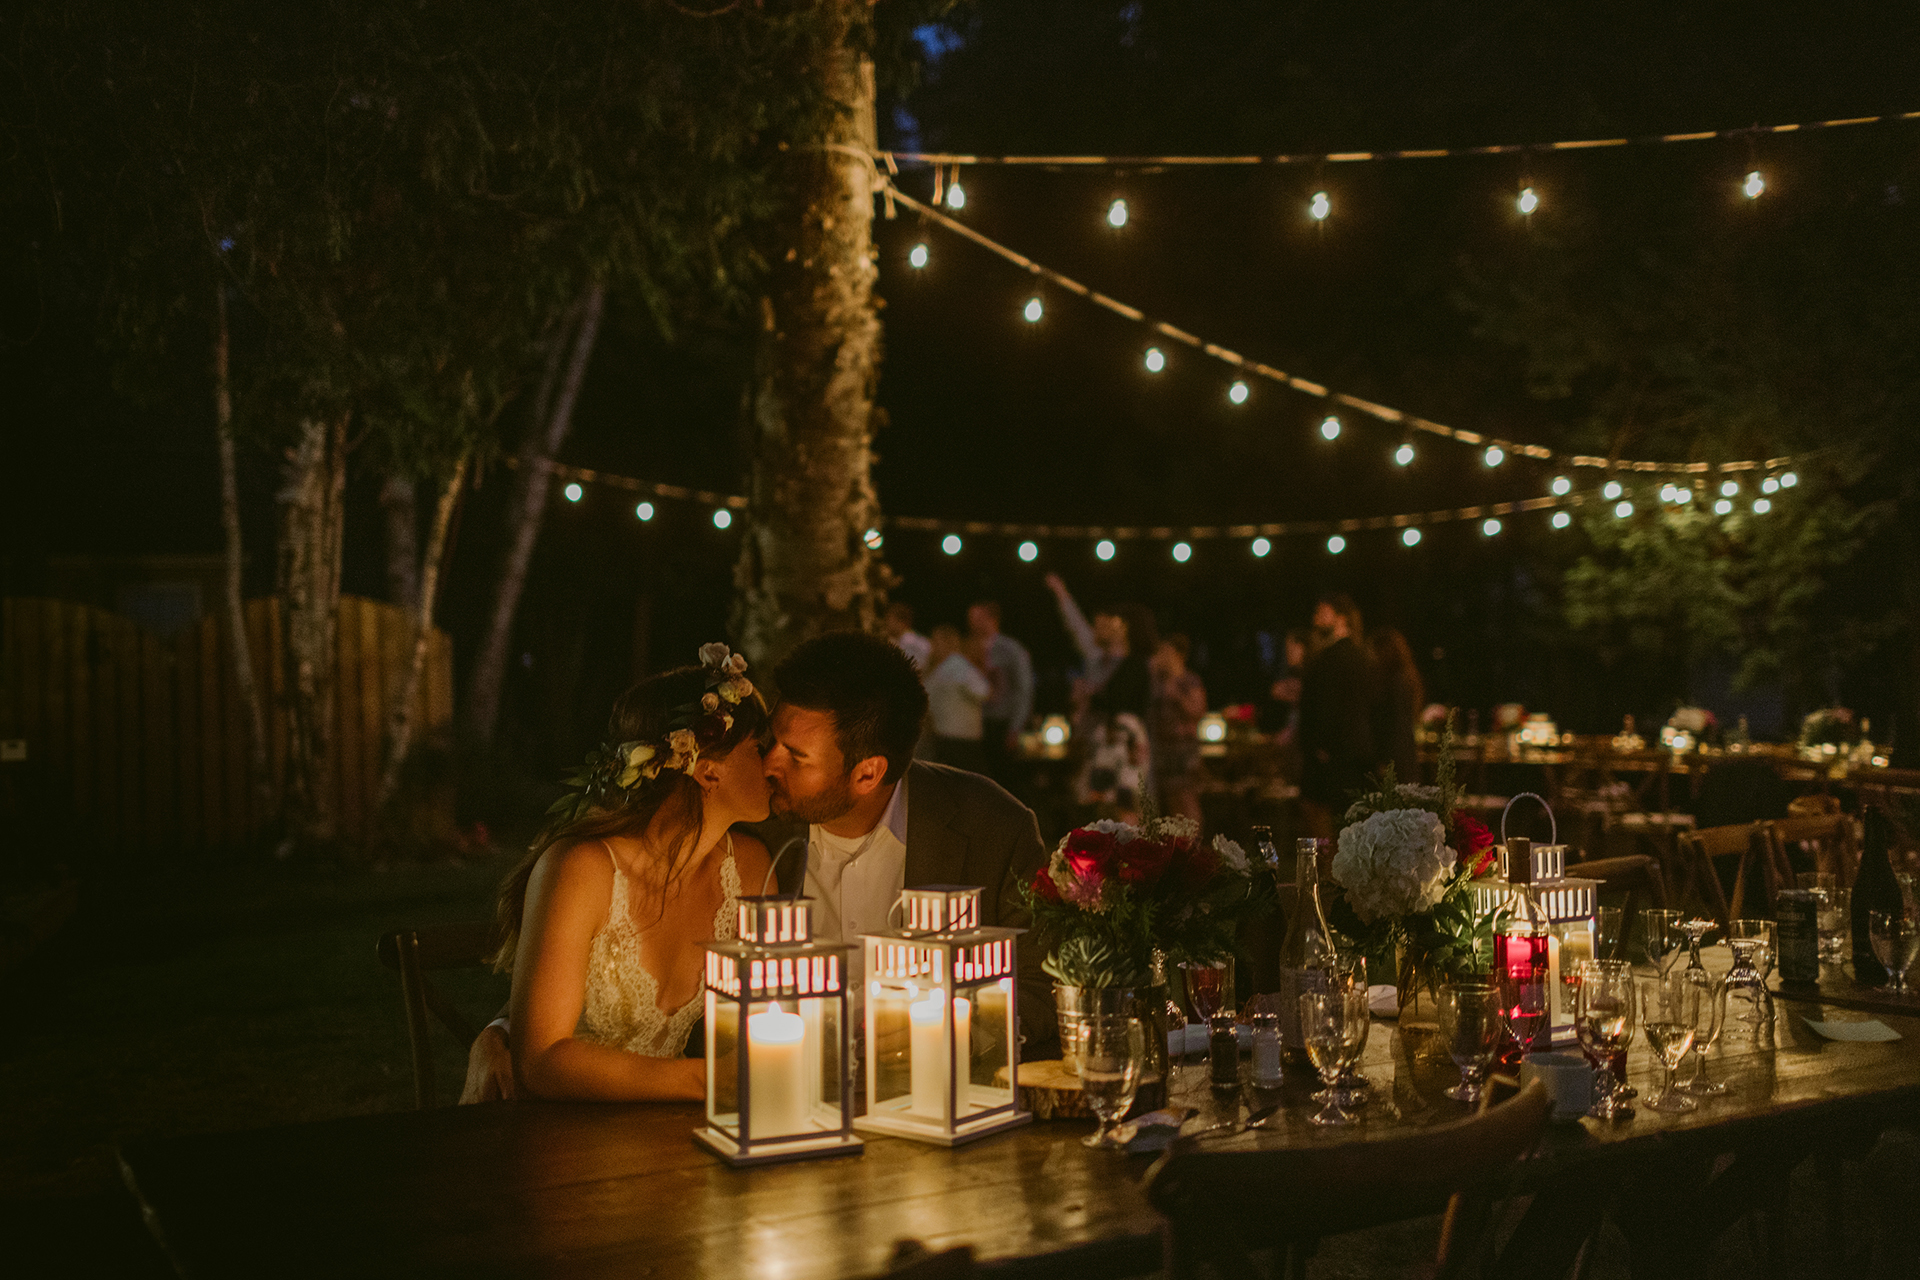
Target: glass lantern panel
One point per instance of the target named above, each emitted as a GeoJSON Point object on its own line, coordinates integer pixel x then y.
{"type": "Point", "coordinates": [723, 1067]}
{"type": "Point", "coordinates": [890, 1044]}
{"type": "Point", "coordinates": [823, 1021]}
{"type": "Point", "coordinates": [989, 1055]}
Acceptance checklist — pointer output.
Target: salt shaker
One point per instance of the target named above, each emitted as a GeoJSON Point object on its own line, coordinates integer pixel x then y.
{"type": "Point", "coordinates": [1266, 1050]}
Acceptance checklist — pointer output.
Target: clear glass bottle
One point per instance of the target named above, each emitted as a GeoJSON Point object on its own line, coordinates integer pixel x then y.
{"type": "Point", "coordinates": [1307, 952]}
{"type": "Point", "coordinates": [1520, 956]}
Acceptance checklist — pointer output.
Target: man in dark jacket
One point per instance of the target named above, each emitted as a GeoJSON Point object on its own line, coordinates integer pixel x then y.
{"type": "Point", "coordinates": [1336, 731]}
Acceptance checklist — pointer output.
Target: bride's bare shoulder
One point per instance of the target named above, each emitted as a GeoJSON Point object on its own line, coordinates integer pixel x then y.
{"type": "Point", "coordinates": [582, 867]}
{"type": "Point", "coordinates": [750, 859]}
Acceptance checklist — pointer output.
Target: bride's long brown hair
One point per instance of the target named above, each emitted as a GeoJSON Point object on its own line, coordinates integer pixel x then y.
{"type": "Point", "coordinates": [641, 714]}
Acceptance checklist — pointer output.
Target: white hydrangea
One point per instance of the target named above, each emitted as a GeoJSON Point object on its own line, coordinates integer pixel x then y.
{"type": "Point", "coordinates": [1231, 853]}
{"type": "Point", "coordinates": [1394, 863]}
{"type": "Point", "coordinates": [1120, 831]}
{"type": "Point", "coordinates": [1177, 826]}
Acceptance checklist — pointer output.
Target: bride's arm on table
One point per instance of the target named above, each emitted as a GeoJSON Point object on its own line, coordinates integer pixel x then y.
{"type": "Point", "coordinates": [567, 901]}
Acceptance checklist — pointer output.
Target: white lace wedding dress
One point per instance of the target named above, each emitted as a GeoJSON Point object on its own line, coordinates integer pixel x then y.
{"type": "Point", "coordinates": [623, 1000]}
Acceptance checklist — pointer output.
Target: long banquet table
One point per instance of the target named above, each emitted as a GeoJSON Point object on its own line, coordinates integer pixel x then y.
{"type": "Point", "coordinates": [588, 1190]}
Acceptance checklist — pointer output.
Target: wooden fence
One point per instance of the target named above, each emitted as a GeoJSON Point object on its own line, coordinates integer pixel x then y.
{"type": "Point", "coordinates": [148, 736]}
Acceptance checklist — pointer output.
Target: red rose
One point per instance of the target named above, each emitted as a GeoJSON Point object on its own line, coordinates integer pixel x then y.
{"type": "Point", "coordinates": [1472, 841]}
{"type": "Point", "coordinates": [1095, 846]}
{"type": "Point", "coordinates": [1142, 861]}
{"type": "Point", "coordinates": [1044, 887]}
{"type": "Point", "coordinates": [1199, 866]}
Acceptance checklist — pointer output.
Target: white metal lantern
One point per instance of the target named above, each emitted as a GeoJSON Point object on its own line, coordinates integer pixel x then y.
{"type": "Point", "coordinates": [942, 1021]}
{"type": "Point", "coordinates": [1570, 905]}
{"type": "Point", "coordinates": [778, 1080]}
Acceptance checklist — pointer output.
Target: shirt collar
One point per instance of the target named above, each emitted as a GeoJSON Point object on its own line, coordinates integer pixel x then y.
{"type": "Point", "coordinates": [894, 819]}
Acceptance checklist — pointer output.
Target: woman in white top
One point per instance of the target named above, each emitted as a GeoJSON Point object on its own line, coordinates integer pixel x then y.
{"type": "Point", "coordinates": [957, 693]}
{"type": "Point", "coordinates": [605, 917]}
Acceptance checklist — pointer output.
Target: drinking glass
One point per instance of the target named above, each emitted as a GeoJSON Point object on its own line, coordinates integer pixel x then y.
{"type": "Point", "coordinates": [1760, 933]}
{"type": "Point", "coordinates": [1613, 942]}
{"type": "Point", "coordinates": [1470, 1025]}
{"type": "Point", "coordinates": [1209, 992]}
{"type": "Point", "coordinates": [1662, 937]}
{"type": "Point", "coordinates": [1746, 984]}
{"type": "Point", "coordinates": [1827, 911]}
{"type": "Point", "coordinates": [1895, 941]}
{"type": "Point", "coordinates": [1326, 1025]}
{"type": "Point", "coordinates": [1669, 1011]}
{"type": "Point", "coordinates": [1706, 1032]}
{"type": "Point", "coordinates": [1523, 1004]}
{"type": "Point", "coordinates": [1110, 1072]}
{"type": "Point", "coordinates": [1349, 973]}
{"type": "Point", "coordinates": [1603, 1023]}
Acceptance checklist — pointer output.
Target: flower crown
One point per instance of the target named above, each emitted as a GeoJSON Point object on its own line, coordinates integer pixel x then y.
{"type": "Point", "coordinates": [612, 772]}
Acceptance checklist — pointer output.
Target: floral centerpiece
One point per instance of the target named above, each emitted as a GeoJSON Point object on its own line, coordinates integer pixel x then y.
{"type": "Point", "coordinates": [1829, 727]}
{"type": "Point", "coordinates": [1405, 864]}
{"type": "Point", "coordinates": [1116, 900]}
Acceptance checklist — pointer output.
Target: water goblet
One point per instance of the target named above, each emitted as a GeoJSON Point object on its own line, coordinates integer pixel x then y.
{"type": "Point", "coordinates": [1613, 942]}
{"type": "Point", "coordinates": [1761, 934]}
{"type": "Point", "coordinates": [1603, 1024]}
{"type": "Point", "coordinates": [1661, 937]}
{"type": "Point", "coordinates": [1349, 973]}
{"type": "Point", "coordinates": [1470, 1026]}
{"type": "Point", "coordinates": [1746, 983]}
{"type": "Point", "coordinates": [1110, 1072]}
{"type": "Point", "coordinates": [1895, 941]}
{"type": "Point", "coordinates": [1325, 1026]}
{"type": "Point", "coordinates": [1209, 992]}
{"type": "Point", "coordinates": [1669, 1011]}
{"type": "Point", "coordinates": [1523, 1004]}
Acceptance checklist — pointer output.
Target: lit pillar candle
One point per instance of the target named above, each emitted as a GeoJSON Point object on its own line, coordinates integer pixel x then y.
{"type": "Point", "coordinates": [930, 1056]}
{"type": "Point", "coordinates": [775, 1081]}
{"type": "Point", "coordinates": [1575, 948]}
{"type": "Point", "coordinates": [1555, 1014]}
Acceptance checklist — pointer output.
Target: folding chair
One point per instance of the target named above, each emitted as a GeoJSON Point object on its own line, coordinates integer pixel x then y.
{"type": "Point", "coordinates": [414, 953]}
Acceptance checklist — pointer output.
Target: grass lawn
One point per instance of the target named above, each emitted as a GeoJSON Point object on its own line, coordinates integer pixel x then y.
{"type": "Point", "coordinates": [200, 1002]}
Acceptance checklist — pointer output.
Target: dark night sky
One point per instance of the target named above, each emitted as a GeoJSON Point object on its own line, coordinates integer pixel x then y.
{"type": "Point", "coordinates": [992, 418]}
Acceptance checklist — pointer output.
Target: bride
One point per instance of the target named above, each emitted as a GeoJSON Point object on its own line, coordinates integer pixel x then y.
{"type": "Point", "coordinates": [604, 918]}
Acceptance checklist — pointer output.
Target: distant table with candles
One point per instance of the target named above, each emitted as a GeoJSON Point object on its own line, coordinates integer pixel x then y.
{"type": "Point", "coordinates": [582, 1189]}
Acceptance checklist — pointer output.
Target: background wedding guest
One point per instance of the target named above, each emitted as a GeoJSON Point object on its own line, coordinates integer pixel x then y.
{"type": "Point", "coordinates": [899, 628]}
{"type": "Point", "coordinates": [1102, 644]}
{"type": "Point", "coordinates": [1010, 705]}
{"type": "Point", "coordinates": [1398, 694]}
{"type": "Point", "coordinates": [1336, 716]}
{"type": "Point", "coordinates": [1179, 700]}
{"type": "Point", "coordinates": [957, 692]}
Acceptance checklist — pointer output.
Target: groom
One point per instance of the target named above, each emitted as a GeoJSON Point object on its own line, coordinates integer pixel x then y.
{"type": "Point", "coordinates": [850, 710]}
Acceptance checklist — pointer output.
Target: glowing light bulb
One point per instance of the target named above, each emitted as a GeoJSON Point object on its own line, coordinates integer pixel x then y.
{"type": "Point", "coordinates": [1182, 552]}
{"type": "Point", "coordinates": [1496, 455]}
{"type": "Point", "coordinates": [1528, 201]}
{"type": "Point", "coordinates": [1723, 508]}
{"type": "Point", "coordinates": [574, 492]}
{"type": "Point", "coordinates": [1623, 510]}
{"type": "Point", "coordinates": [1666, 493]}
{"type": "Point", "coordinates": [1612, 490]}
{"type": "Point", "coordinates": [1260, 547]}
{"type": "Point", "coordinates": [1330, 428]}
{"type": "Point", "coordinates": [956, 195]}
{"type": "Point", "coordinates": [1411, 537]}
{"type": "Point", "coordinates": [951, 544]}
{"type": "Point", "coordinates": [644, 511]}
{"type": "Point", "coordinates": [1728, 489]}
{"type": "Point", "coordinates": [1788, 479]}
{"type": "Point", "coordinates": [1754, 185]}
{"type": "Point", "coordinates": [1117, 213]}
{"type": "Point", "coordinates": [1320, 207]}
{"type": "Point", "coordinates": [874, 539]}
{"type": "Point", "coordinates": [1238, 393]}
{"type": "Point", "coordinates": [1103, 549]}
{"type": "Point", "coordinates": [1770, 485]}
{"type": "Point", "coordinates": [917, 256]}
{"type": "Point", "coordinates": [1336, 544]}
{"type": "Point", "coordinates": [1156, 360]}
{"type": "Point", "coordinates": [1561, 486]}
{"type": "Point", "coordinates": [1682, 496]}
{"type": "Point", "coordinates": [1561, 519]}
{"type": "Point", "coordinates": [722, 518]}
{"type": "Point", "coordinates": [1033, 311]}
{"type": "Point", "coordinates": [1761, 506]}
{"type": "Point", "coordinates": [1403, 455]}
{"type": "Point", "coordinates": [1029, 552]}
{"type": "Point", "coordinates": [1490, 528]}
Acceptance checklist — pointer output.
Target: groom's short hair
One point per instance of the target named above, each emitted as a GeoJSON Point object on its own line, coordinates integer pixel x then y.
{"type": "Point", "coordinates": [870, 687]}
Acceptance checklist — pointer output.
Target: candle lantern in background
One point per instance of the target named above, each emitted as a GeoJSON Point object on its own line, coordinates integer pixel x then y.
{"type": "Point", "coordinates": [778, 1080]}
{"type": "Point", "coordinates": [942, 1026]}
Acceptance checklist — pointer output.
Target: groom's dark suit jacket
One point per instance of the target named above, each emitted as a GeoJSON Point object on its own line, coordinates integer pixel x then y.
{"type": "Point", "coordinates": [963, 828]}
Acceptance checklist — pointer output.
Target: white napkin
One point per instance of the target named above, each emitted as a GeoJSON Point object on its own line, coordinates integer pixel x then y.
{"type": "Point", "coordinates": [1870, 1031]}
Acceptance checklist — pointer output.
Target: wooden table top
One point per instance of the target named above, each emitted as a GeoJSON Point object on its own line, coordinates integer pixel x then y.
{"type": "Point", "coordinates": [581, 1189]}
{"type": "Point", "coordinates": [1838, 988]}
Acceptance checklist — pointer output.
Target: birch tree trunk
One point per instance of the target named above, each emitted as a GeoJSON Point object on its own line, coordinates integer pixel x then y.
{"type": "Point", "coordinates": [236, 613]}
{"type": "Point", "coordinates": [312, 525]}
{"type": "Point", "coordinates": [527, 506]}
{"type": "Point", "coordinates": [804, 565]}
{"type": "Point", "coordinates": [399, 503]}
{"type": "Point", "coordinates": [400, 716]}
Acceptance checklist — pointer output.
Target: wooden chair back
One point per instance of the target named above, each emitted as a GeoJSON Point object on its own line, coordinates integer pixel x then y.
{"type": "Point", "coordinates": [1639, 874]}
{"type": "Point", "coordinates": [1745, 841]}
{"type": "Point", "coordinates": [413, 954]}
{"type": "Point", "coordinates": [1830, 839]}
{"type": "Point", "coordinates": [1222, 1206]}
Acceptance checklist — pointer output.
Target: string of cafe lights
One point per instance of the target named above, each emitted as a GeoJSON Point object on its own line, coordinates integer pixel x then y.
{"type": "Point", "coordinates": [1496, 450]}
{"type": "Point", "coordinates": [1727, 499]}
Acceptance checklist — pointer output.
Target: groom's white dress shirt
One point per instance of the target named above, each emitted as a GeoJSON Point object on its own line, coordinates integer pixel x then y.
{"type": "Point", "coordinates": [855, 881]}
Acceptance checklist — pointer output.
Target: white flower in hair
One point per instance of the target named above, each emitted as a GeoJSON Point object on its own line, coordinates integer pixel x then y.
{"type": "Point", "coordinates": [714, 656]}
{"type": "Point", "coordinates": [709, 702]}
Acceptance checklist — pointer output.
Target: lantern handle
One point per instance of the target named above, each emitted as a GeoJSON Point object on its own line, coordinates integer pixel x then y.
{"type": "Point", "coordinates": [774, 862]}
{"type": "Point", "coordinates": [1554, 823]}
{"type": "Point", "coordinates": [898, 903]}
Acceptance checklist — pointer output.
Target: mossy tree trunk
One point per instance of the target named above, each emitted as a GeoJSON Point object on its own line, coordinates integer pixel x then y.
{"type": "Point", "coordinates": [312, 529]}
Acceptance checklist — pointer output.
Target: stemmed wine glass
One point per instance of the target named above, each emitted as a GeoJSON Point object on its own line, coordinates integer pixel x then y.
{"type": "Point", "coordinates": [1110, 1072]}
{"type": "Point", "coordinates": [1669, 1012]}
{"type": "Point", "coordinates": [1523, 1004]}
{"type": "Point", "coordinates": [1760, 933]}
{"type": "Point", "coordinates": [1895, 943]}
{"type": "Point", "coordinates": [1662, 937]}
{"type": "Point", "coordinates": [1603, 1022]}
{"type": "Point", "coordinates": [1209, 990]}
{"type": "Point", "coordinates": [1327, 1025]}
{"type": "Point", "coordinates": [1746, 980]}
{"type": "Point", "coordinates": [1707, 1031]}
{"type": "Point", "coordinates": [1349, 973]}
{"type": "Point", "coordinates": [1470, 1025]}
